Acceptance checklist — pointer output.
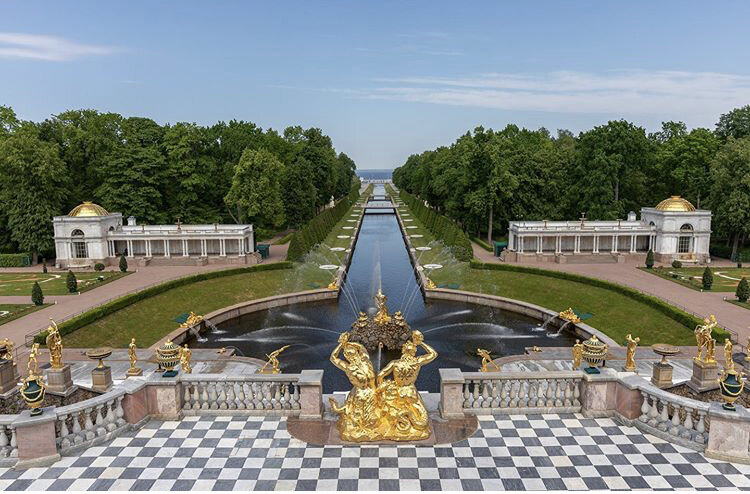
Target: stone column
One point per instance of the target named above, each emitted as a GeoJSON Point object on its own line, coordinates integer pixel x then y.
{"type": "Point", "coordinates": [130, 248]}
{"type": "Point", "coordinates": [614, 244]}
{"type": "Point", "coordinates": [240, 246]}
{"type": "Point", "coordinates": [539, 243]}
{"type": "Point", "coordinates": [148, 247]}
{"type": "Point", "coordinates": [310, 384]}
{"type": "Point", "coordinates": [596, 244]}
{"type": "Point", "coordinates": [185, 252]}
{"type": "Point", "coordinates": [632, 243]}
{"type": "Point", "coordinates": [166, 248]}
{"type": "Point", "coordinates": [520, 244]}
{"type": "Point", "coordinates": [223, 247]}
{"type": "Point", "coordinates": [729, 435]}
{"type": "Point", "coordinates": [35, 437]}
{"type": "Point", "coordinates": [451, 393]}
{"type": "Point", "coordinates": [204, 248]}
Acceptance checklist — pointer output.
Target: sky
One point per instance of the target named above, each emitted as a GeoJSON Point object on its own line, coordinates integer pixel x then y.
{"type": "Point", "coordinates": [384, 79]}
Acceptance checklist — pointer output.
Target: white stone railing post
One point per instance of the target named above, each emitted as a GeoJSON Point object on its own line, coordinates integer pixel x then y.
{"type": "Point", "coordinates": [453, 395]}
{"type": "Point", "coordinates": [308, 395]}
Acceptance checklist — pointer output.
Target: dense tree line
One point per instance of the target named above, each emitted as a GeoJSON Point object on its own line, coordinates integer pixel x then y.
{"type": "Point", "coordinates": [226, 172]}
{"type": "Point", "coordinates": [487, 177]}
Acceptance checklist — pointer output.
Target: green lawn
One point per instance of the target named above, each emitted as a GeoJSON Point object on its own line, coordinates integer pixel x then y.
{"type": "Point", "coordinates": [53, 283]}
{"type": "Point", "coordinates": [744, 305]}
{"type": "Point", "coordinates": [725, 279]}
{"type": "Point", "coordinates": [614, 314]}
{"type": "Point", "coordinates": [9, 312]}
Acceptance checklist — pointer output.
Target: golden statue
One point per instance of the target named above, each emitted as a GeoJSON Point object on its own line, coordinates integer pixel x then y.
{"type": "Point", "coordinates": [33, 366]}
{"type": "Point", "coordinates": [630, 354]}
{"type": "Point", "coordinates": [577, 354]}
{"type": "Point", "coordinates": [333, 286]}
{"type": "Point", "coordinates": [185, 355]}
{"type": "Point", "coordinates": [382, 316]}
{"type": "Point", "coordinates": [9, 346]}
{"type": "Point", "coordinates": [429, 284]}
{"type": "Point", "coordinates": [399, 318]}
{"type": "Point", "coordinates": [728, 360]}
{"type": "Point", "coordinates": [273, 359]}
{"type": "Point", "coordinates": [192, 320]}
{"type": "Point", "coordinates": [54, 345]}
{"type": "Point", "coordinates": [133, 356]}
{"type": "Point", "coordinates": [706, 344]}
{"type": "Point", "coordinates": [569, 315]}
{"type": "Point", "coordinates": [392, 410]}
{"type": "Point", "coordinates": [487, 360]}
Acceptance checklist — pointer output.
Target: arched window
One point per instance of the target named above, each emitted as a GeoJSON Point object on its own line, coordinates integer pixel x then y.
{"type": "Point", "coordinates": [687, 227]}
{"type": "Point", "coordinates": [79, 245]}
{"type": "Point", "coordinates": [686, 237]}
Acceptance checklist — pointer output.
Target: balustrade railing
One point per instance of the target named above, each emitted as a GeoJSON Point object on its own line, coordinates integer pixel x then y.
{"type": "Point", "coordinates": [675, 416]}
{"type": "Point", "coordinates": [8, 443]}
{"type": "Point", "coordinates": [519, 391]}
{"type": "Point", "coordinates": [261, 394]}
{"type": "Point", "coordinates": [82, 424]}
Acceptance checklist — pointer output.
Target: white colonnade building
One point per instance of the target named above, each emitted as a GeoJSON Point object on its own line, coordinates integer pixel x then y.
{"type": "Point", "coordinates": [89, 235]}
{"type": "Point", "coordinates": [674, 230]}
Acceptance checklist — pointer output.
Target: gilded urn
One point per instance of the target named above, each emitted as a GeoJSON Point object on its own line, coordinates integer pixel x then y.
{"type": "Point", "coordinates": [168, 356]}
{"type": "Point", "coordinates": [594, 352]}
{"type": "Point", "coordinates": [32, 391]}
{"type": "Point", "coordinates": [731, 385]}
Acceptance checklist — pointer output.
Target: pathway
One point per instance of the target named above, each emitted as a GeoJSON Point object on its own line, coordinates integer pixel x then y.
{"type": "Point", "coordinates": [729, 315]}
{"type": "Point", "coordinates": [509, 452]}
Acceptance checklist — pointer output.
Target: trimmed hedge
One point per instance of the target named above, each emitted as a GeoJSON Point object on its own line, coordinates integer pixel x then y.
{"type": "Point", "coordinates": [482, 244]}
{"type": "Point", "coordinates": [441, 227]}
{"type": "Point", "coordinates": [687, 320]}
{"type": "Point", "coordinates": [743, 253]}
{"type": "Point", "coordinates": [318, 228]}
{"type": "Point", "coordinates": [97, 313]}
{"type": "Point", "coordinates": [15, 260]}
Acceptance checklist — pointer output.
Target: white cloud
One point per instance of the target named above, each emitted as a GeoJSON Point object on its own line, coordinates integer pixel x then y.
{"type": "Point", "coordinates": [693, 96]}
{"type": "Point", "coordinates": [42, 47]}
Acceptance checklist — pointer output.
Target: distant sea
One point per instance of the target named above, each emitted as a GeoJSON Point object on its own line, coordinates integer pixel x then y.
{"type": "Point", "coordinates": [375, 174]}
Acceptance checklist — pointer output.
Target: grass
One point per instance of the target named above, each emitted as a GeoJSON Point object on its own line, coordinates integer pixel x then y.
{"type": "Point", "coordinates": [20, 283]}
{"type": "Point", "coordinates": [9, 312]}
{"type": "Point", "coordinates": [692, 277]}
{"type": "Point", "coordinates": [744, 305]}
{"type": "Point", "coordinates": [614, 314]}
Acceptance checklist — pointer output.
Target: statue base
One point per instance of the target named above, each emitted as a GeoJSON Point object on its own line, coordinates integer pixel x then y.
{"type": "Point", "coordinates": [8, 381]}
{"type": "Point", "coordinates": [101, 379]}
{"type": "Point", "coordinates": [134, 372]}
{"type": "Point", "coordinates": [662, 375]}
{"type": "Point", "coordinates": [705, 376]}
{"type": "Point", "coordinates": [60, 381]}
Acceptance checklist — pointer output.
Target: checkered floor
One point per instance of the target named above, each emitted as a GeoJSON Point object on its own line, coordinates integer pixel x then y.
{"type": "Point", "coordinates": [512, 453]}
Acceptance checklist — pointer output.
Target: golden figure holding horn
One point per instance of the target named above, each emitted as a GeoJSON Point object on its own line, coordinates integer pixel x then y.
{"type": "Point", "coordinates": [487, 361]}
{"type": "Point", "coordinates": [273, 361]}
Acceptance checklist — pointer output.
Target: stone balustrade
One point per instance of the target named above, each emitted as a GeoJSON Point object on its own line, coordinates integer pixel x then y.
{"type": "Point", "coordinates": [89, 422]}
{"type": "Point", "coordinates": [8, 441]}
{"type": "Point", "coordinates": [257, 394]}
{"type": "Point", "coordinates": [674, 418]}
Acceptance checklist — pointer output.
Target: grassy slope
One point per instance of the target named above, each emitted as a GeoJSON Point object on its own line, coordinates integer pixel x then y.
{"type": "Point", "coordinates": [21, 283]}
{"type": "Point", "coordinates": [686, 277]}
{"type": "Point", "coordinates": [18, 310]}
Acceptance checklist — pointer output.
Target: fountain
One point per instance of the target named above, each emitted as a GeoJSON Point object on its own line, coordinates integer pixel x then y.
{"type": "Point", "coordinates": [390, 332]}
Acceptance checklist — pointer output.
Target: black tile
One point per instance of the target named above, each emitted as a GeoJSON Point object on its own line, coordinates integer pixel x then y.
{"type": "Point", "coordinates": [388, 485]}
{"type": "Point", "coordinates": [388, 462]}
{"type": "Point", "coordinates": [305, 485]}
{"type": "Point", "coordinates": [368, 473]}
{"type": "Point", "coordinates": [513, 485]}
{"type": "Point", "coordinates": [328, 473]}
{"type": "Point", "coordinates": [595, 483]}
{"type": "Point", "coordinates": [289, 474]}
{"type": "Point", "coordinates": [471, 485]}
{"type": "Point", "coordinates": [424, 462]}
{"type": "Point", "coordinates": [448, 473]}
{"type": "Point", "coordinates": [488, 473]}
{"type": "Point", "coordinates": [209, 473]}
{"type": "Point", "coordinates": [408, 473]}
{"type": "Point", "coordinates": [636, 482]}
{"type": "Point", "coordinates": [142, 485]}
{"type": "Point", "coordinates": [430, 485]}
{"type": "Point", "coordinates": [249, 474]}
{"type": "Point", "coordinates": [343, 485]}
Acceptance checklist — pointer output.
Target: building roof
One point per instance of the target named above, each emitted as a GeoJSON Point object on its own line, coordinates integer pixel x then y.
{"type": "Point", "coordinates": [675, 203]}
{"type": "Point", "coordinates": [88, 208]}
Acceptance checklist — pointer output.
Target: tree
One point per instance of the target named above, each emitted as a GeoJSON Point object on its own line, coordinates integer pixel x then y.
{"type": "Point", "coordinates": [71, 282]}
{"type": "Point", "coordinates": [743, 290]}
{"type": "Point", "coordinates": [123, 264]}
{"type": "Point", "coordinates": [708, 278]}
{"type": "Point", "coordinates": [650, 259]}
{"type": "Point", "coordinates": [735, 124]}
{"type": "Point", "coordinates": [256, 189]}
{"type": "Point", "coordinates": [37, 297]}
{"type": "Point", "coordinates": [730, 193]}
{"type": "Point", "coordinates": [299, 193]}
{"type": "Point", "coordinates": [33, 185]}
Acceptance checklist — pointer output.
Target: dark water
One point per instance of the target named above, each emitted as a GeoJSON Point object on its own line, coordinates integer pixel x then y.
{"type": "Point", "coordinates": [375, 174]}
{"type": "Point", "coordinates": [380, 259]}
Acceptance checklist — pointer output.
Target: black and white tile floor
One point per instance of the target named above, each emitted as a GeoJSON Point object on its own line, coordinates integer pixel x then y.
{"type": "Point", "coordinates": [507, 452]}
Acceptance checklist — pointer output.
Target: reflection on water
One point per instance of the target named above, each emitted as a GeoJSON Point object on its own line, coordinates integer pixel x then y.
{"type": "Point", "coordinates": [380, 260]}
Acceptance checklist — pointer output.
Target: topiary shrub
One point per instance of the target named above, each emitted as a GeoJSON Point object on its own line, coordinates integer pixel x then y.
{"type": "Point", "coordinates": [71, 282]}
{"type": "Point", "coordinates": [98, 267]}
{"type": "Point", "coordinates": [123, 264]}
{"type": "Point", "coordinates": [676, 264]}
{"type": "Point", "coordinates": [37, 297]}
{"type": "Point", "coordinates": [743, 290]}
{"type": "Point", "coordinates": [650, 259]}
{"type": "Point", "coordinates": [708, 278]}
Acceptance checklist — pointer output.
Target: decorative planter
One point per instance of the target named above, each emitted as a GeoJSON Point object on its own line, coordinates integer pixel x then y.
{"type": "Point", "coordinates": [731, 385]}
{"type": "Point", "coordinates": [168, 356]}
{"type": "Point", "coordinates": [594, 352]}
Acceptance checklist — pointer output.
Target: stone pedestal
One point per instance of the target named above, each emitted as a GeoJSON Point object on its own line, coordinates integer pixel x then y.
{"type": "Point", "coordinates": [662, 375]}
{"type": "Point", "coordinates": [311, 394]}
{"type": "Point", "coordinates": [729, 435]}
{"type": "Point", "coordinates": [451, 394]}
{"type": "Point", "coordinates": [36, 439]}
{"type": "Point", "coordinates": [705, 376]}
{"type": "Point", "coordinates": [134, 371]}
{"type": "Point", "coordinates": [60, 381]}
{"type": "Point", "coordinates": [8, 381]}
{"type": "Point", "coordinates": [101, 378]}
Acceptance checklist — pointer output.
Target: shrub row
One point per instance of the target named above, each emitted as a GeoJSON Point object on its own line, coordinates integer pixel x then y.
{"type": "Point", "coordinates": [318, 228]}
{"type": "Point", "coordinates": [441, 227]}
{"type": "Point", "coordinates": [687, 320]}
{"type": "Point", "coordinates": [483, 244]}
{"type": "Point", "coordinates": [15, 260]}
{"type": "Point", "coordinates": [97, 313]}
{"type": "Point", "coordinates": [718, 250]}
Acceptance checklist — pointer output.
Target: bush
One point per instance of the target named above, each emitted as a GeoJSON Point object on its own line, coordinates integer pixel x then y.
{"type": "Point", "coordinates": [44, 265]}
{"type": "Point", "coordinates": [743, 290]}
{"type": "Point", "coordinates": [681, 317]}
{"type": "Point", "coordinates": [93, 315]}
{"type": "Point", "coordinates": [441, 227]}
{"type": "Point", "coordinates": [720, 250]}
{"type": "Point", "coordinates": [676, 264]}
{"type": "Point", "coordinates": [708, 278]}
{"type": "Point", "coordinates": [15, 260]}
{"type": "Point", "coordinates": [37, 297]}
{"type": "Point", "coordinates": [483, 244]}
{"type": "Point", "coordinates": [98, 267]}
{"type": "Point", "coordinates": [71, 282]}
{"type": "Point", "coordinates": [650, 259]}
{"type": "Point", "coordinates": [123, 264]}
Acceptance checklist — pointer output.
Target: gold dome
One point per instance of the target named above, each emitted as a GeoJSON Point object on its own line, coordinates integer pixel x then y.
{"type": "Point", "coordinates": [675, 203]}
{"type": "Point", "coordinates": [88, 208]}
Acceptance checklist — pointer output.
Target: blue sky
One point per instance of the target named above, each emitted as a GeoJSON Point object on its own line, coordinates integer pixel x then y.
{"type": "Point", "coordinates": [384, 79]}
